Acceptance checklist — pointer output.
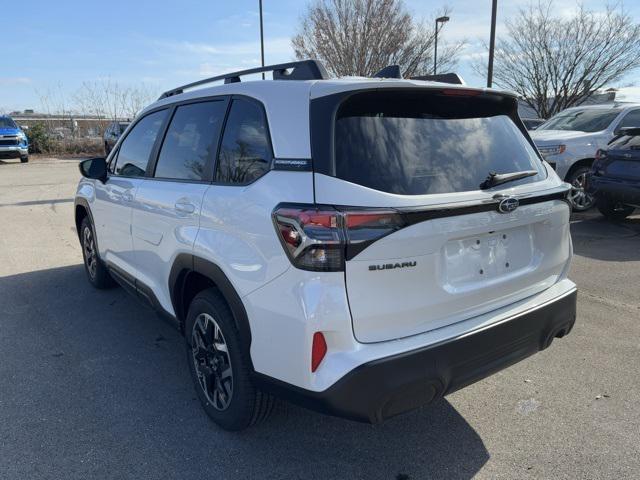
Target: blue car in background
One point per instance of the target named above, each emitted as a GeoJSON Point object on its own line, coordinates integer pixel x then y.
{"type": "Point", "coordinates": [13, 141]}
{"type": "Point", "coordinates": [615, 176]}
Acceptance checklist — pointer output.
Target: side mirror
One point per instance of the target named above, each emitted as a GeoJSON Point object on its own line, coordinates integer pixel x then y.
{"type": "Point", "coordinates": [95, 168]}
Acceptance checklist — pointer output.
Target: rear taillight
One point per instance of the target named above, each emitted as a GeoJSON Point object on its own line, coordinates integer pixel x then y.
{"type": "Point", "coordinates": [320, 238]}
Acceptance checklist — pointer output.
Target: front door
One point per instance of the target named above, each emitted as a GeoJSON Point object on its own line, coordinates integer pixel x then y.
{"type": "Point", "coordinates": [115, 198]}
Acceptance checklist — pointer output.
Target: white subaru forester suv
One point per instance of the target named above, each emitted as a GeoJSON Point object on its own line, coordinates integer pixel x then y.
{"type": "Point", "coordinates": [359, 246]}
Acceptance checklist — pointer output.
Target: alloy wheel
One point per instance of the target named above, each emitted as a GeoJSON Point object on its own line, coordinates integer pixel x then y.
{"type": "Point", "coordinates": [579, 197]}
{"type": "Point", "coordinates": [211, 360]}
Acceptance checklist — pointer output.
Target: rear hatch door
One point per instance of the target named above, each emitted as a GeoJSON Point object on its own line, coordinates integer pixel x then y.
{"type": "Point", "coordinates": [427, 246]}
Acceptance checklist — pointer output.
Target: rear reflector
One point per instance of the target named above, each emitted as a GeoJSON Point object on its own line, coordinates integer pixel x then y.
{"type": "Point", "coordinates": [318, 350]}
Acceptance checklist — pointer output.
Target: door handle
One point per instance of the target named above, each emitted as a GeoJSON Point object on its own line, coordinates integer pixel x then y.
{"type": "Point", "coordinates": [185, 207]}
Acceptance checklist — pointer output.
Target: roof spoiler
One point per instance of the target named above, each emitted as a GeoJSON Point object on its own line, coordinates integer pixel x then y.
{"type": "Point", "coordinates": [301, 70]}
{"type": "Point", "coordinates": [442, 78]}
{"type": "Point", "coordinates": [391, 71]}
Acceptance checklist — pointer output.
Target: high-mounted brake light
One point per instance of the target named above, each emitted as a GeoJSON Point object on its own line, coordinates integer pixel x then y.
{"type": "Point", "coordinates": [320, 238]}
{"type": "Point", "coordinates": [318, 350]}
{"type": "Point", "coordinates": [461, 92]}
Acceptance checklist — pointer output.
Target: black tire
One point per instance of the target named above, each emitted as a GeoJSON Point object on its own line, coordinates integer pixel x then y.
{"type": "Point", "coordinates": [614, 211]}
{"type": "Point", "coordinates": [580, 199]}
{"type": "Point", "coordinates": [97, 272]}
{"type": "Point", "coordinates": [24, 159]}
{"type": "Point", "coordinates": [245, 404]}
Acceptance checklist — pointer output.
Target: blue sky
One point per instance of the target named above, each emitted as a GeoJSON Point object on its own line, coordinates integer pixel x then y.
{"type": "Point", "coordinates": [55, 46]}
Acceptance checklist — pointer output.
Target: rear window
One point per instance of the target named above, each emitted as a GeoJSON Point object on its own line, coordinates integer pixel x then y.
{"type": "Point", "coordinates": [416, 144]}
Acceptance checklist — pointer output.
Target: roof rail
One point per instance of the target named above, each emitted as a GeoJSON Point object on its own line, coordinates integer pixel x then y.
{"type": "Point", "coordinates": [301, 70]}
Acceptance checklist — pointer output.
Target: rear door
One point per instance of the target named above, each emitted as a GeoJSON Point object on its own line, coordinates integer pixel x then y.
{"type": "Point", "coordinates": [433, 248]}
{"type": "Point", "coordinates": [166, 215]}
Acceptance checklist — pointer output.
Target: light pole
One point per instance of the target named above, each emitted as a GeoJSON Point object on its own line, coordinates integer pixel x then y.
{"type": "Point", "coordinates": [435, 46]}
{"type": "Point", "coordinates": [492, 42]}
{"type": "Point", "coordinates": [261, 37]}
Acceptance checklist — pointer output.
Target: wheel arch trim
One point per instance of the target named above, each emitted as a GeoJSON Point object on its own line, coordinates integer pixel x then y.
{"type": "Point", "coordinates": [185, 264]}
{"type": "Point", "coordinates": [84, 203]}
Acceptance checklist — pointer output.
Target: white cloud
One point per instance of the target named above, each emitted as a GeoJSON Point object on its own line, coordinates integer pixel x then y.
{"type": "Point", "coordinates": [275, 46]}
{"type": "Point", "coordinates": [14, 81]}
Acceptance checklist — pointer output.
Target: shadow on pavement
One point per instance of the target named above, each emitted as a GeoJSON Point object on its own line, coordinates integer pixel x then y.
{"type": "Point", "coordinates": [94, 384]}
{"type": "Point", "coordinates": [596, 237]}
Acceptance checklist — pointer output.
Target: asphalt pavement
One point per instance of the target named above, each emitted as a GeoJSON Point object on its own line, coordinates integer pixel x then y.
{"type": "Point", "coordinates": [95, 385]}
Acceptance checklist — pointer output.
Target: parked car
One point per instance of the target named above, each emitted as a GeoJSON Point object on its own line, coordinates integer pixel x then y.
{"type": "Point", "coordinates": [13, 141]}
{"type": "Point", "coordinates": [569, 142]}
{"type": "Point", "coordinates": [532, 123]}
{"type": "Point", "coordinates": [112, 134]}
{"type": "Point", "coordinates": [615, 176]}
{"type": "Point", "coordinates": [342, 243]}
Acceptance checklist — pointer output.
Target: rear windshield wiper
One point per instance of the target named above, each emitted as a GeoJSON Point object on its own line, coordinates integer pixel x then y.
{"type": "Point", "coordinates": [499, 178]}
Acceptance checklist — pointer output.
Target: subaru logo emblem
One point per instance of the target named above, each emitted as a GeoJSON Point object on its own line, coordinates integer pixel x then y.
{"type": "Point", "coordinates": [508, 205]}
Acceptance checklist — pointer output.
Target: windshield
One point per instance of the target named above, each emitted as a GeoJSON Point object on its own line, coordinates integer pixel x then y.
{"type": "Point", "coordinates": [585, 120]}
{"type": "Point", "coordinates": [414, 147]}
{"type": "Point", "coordinates": [6, 122]}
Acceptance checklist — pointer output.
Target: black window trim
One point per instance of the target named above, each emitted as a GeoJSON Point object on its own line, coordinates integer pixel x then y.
{"type": "Point", "coordinates": [211, 162]}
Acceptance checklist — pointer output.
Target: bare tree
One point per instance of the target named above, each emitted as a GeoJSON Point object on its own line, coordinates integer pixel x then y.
{"type": "Point", "coordinates": [108, 100]}
{"type": "Point", "coordinates": [360, 37]}
{"type": "Point", "coordinates": [554, 63]}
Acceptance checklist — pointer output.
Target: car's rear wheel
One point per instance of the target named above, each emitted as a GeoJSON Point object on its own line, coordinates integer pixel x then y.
{"type": "Point", "coordinates": [97, 272]}
{"type": "Point", "coordinates": [580, 199]}
{"type": "Point", "coordinates": [219, 365]}
{"type": "Point", "coordinates": [613, 210]}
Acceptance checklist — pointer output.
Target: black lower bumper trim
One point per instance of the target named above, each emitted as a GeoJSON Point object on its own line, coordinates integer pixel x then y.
{"type": "Point", "coordinates": [389, 386]}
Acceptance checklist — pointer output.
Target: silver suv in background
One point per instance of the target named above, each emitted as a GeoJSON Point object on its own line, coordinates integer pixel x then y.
{"type": "Point", "coordinates": [569, 142]}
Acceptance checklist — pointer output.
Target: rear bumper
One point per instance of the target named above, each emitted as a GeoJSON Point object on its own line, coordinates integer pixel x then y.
{"type": "Point", "coordinates": [393, 385]}
{"type": "Point", "coordinates": [624, 191]}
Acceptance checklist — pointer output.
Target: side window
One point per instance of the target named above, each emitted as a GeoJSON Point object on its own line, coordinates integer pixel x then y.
{"type": "Point", "coordinates": [134, 152]}
{"type": "Point", "coordinates": [631, 119]}
{"type": "Point", "coordinates": [191, 140]}
{"type": "Point", "coordinates": [245, 153]}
